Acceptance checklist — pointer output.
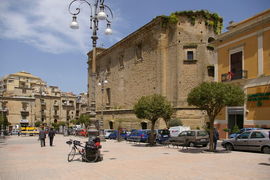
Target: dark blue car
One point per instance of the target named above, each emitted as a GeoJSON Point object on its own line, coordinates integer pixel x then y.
{"type": "Point", "coordinates": [141, 135]}
{"type": "Point", "coordinates": [114, 135]}
{"type": "Point", "coordinates": [162, 135]}
{"type": "Point", "coordinates": [241, 131]}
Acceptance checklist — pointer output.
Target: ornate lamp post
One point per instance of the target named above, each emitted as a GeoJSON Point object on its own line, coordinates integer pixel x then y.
{"type": "Point", "coordinates": [102, 82]}
{"type": "Point", "coordinates": [99, 14]}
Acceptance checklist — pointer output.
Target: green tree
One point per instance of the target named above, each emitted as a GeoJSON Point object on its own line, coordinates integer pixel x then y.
{"type": "Point", "coordinates": [213, 97]}
{"type": "Point", "coordinates": [85, 120]}
{"type": "Point", "coordinates": [175, 122]}
{"type": "Point", "coordinates": [61, 123]}
{"type": "Point", "coordinates": [38, 123]}
{"type": "Point", "coordinates": [3, 121]}
{"type": "Point", "coordinates": [152, 108]}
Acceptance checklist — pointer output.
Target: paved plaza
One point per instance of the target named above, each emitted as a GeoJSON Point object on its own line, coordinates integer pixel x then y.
{"type": "Point", "coordinates": [22, 158]}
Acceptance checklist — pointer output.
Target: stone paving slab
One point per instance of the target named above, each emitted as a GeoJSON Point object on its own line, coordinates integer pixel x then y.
{"type": "Point", "coordinates": [22, 158]}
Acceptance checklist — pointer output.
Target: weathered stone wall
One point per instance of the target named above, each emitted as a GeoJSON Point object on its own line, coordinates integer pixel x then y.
{"type": "Point", "coordinates": [163, 68]}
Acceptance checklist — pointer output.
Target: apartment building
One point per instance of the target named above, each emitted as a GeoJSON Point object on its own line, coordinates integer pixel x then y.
{"type": "Point", "coordinates": [26, 99]}
{"type": "Point", "coordinates": [243, 59]}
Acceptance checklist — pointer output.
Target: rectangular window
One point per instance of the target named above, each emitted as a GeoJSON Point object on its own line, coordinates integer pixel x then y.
{"type": "Point", "coordinates": [108, 66]}
{"type": "Point", "coordinates": [190, 55]}
{"type": "Point", "coordinates": [98, 71]}
{"type": "Point", "coordinates": [108, 93]}
{"type": "Point", "coordinates": [236, 65]}
{"type": "Point", "coordinates": [24, 106]}
{"type": "Point", "coordinates": [121, 61]}
{"type": "Point", "coordinates": [138, 52]}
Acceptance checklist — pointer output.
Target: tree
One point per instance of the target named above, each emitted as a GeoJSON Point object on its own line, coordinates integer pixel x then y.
{"type": "Point", "coordinates": [152, 108]}
{"type": "Point", "coordinates": [175, 122]}
{"type": "Point", "coordinates": [38, 123]}
{"type": "Point", "coordinates": [213, 97]}
{"type": "Point", "coordinates": [84, 119]}
{"type": "Point", "coordinates": [3, 121]}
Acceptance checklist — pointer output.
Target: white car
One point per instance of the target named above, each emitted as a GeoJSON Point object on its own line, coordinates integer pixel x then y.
{"type": "Point", "coordinates": [107, 132]}
{"type": "Point", "coordinates": [14, 132]}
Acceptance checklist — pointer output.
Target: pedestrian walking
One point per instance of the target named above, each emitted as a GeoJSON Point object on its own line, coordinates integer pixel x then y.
{"type": "Point", "coordinates": [42, 137]}
{"type": "Point", "coordinates": [51, 136]}
{"type": "Point", "coordinates": [215, 138]}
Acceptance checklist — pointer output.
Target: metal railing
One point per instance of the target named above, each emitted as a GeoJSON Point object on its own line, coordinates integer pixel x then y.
{"type": "Point", "coordinates": [242, 74]}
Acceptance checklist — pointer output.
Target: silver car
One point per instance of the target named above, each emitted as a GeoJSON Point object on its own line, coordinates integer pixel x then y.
{"type": "Point", "coordinates": [253, 140]}
{"type": "Point", "coordinates": [191, 138]}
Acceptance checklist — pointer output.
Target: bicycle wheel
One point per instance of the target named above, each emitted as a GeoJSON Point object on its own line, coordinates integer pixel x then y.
{"type": "Point", "coordinates": [71, 154]}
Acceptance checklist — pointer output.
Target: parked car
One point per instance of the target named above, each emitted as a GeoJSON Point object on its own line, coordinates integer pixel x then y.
{"type": "Point", "coordinates": [191, 138]}
{"type": "Point", "coordinates": [162, 135]}
{"type": "Point", "coordinates": [114, 135]}
{"type": "Point", "coordinates": [107, 132]}
{"type": "Point", "coordinates": [242, 130]}
{"type": "Point", "coordinates": [252, 140]}
{"type": "Point", "coordinates": [141, 135]}
{"type": "Point", "coordinates": [81, 132]}
{"type": "Point", "coordinates": [15, 132]}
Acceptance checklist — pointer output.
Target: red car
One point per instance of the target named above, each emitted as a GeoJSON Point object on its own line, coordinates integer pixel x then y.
{"type": "Point", "coordinates": [82, 132]}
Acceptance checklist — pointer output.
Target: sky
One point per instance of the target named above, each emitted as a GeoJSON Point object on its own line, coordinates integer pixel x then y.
{"type": "Point", "coordinates": [35, 36]}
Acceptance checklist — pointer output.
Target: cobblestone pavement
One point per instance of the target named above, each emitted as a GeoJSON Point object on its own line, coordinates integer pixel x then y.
{"type": "Point", "coordinates": [22, 158]}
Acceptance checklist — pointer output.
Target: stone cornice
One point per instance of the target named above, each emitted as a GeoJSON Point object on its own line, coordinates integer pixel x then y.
{"type": "Point", "coordinates": [19, 98]}
{"type": "Point", "coordinates": [246, 25]}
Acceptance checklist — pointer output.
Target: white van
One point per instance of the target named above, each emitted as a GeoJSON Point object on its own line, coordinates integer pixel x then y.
{"type": "Point", "coordinates": [176, 130]}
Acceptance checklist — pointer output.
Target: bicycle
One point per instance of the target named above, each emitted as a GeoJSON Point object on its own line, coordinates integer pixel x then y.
{"type": "Point", "coordinates": [89, 153]}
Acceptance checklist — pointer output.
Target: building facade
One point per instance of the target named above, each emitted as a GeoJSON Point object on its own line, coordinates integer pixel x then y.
{"type": "Point", "coordinates": [159, 58]}
{"type": "Point", "coordinates": [26, 99]}
{"type": "Point", "coordinates": [243, 59]}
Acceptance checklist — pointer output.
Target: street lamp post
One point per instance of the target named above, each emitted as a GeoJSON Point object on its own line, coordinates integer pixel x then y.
{"type": "Point", "coordinates": [2, 114]}
{"type": "Point", "coordinates": [99, 14]}
{"type": "Point", "coordinates": [102, 82]}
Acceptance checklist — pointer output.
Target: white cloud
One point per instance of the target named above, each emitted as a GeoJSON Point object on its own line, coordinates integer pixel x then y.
{"type": "Point", "coordinates": [44, 24]}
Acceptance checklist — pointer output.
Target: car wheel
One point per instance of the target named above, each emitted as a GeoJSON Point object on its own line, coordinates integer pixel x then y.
{"type": "Point", "coordinates": [204, 145]}
{"type": "Point", "coordinates": [266, 150]}
{"type": "Point", "coordinates": [191, 144]}
{"type": "Point", "coordinates": [228, 147]}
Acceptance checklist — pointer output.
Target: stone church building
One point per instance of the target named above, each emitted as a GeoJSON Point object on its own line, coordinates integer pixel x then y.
{"type": "Point", "coordinates": [169, 56]}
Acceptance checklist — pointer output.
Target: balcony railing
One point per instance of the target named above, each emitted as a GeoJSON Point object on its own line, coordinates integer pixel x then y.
{"type": "Point", "coordinates": [25, 112]}
{"type": "Point", "coordinates": [234, 75]}
{"type": "Point", "coordinates": [56, 116]}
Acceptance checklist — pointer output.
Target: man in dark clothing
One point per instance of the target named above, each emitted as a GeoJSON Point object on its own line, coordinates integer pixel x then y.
{"type": "Point", "coordinates": [215, 138]}
{"type": "Point", "coordinates": [42, 137]}
{"type": "Point", "coordinates": [51, 136]}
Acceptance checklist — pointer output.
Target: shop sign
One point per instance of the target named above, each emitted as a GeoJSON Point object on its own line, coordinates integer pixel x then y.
{"type": "Point", "coordinates": [259, 96]}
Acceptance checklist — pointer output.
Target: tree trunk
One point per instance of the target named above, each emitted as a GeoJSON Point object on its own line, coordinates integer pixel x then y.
{"type": "Point", "coordinates": [152, 133]}
{"type": "Point", "coordinates": [211, 146]}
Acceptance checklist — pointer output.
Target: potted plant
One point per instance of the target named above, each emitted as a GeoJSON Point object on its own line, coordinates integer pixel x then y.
{"type": "Point", "coordinates": [226, 130]}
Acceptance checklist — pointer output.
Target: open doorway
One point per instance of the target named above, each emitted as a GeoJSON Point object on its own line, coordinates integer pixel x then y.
{"type": "Point", "coordinates": [235, 117]}
{"type": "Point", "coordinates": [111, 124]}
{"type": "Point", "coordinates": [144, 125]}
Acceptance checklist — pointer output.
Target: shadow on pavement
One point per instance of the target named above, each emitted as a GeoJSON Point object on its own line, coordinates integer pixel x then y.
{"type": "Point", "coordinates": [199, 150]}
{"type": "Point", "coordinates": [264, 164]}
{"type": "Point", "coordinates": [145, 145]}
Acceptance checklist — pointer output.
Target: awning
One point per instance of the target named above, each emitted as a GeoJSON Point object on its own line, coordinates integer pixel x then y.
{"type": "Point", "coordinates": [236, 111]}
